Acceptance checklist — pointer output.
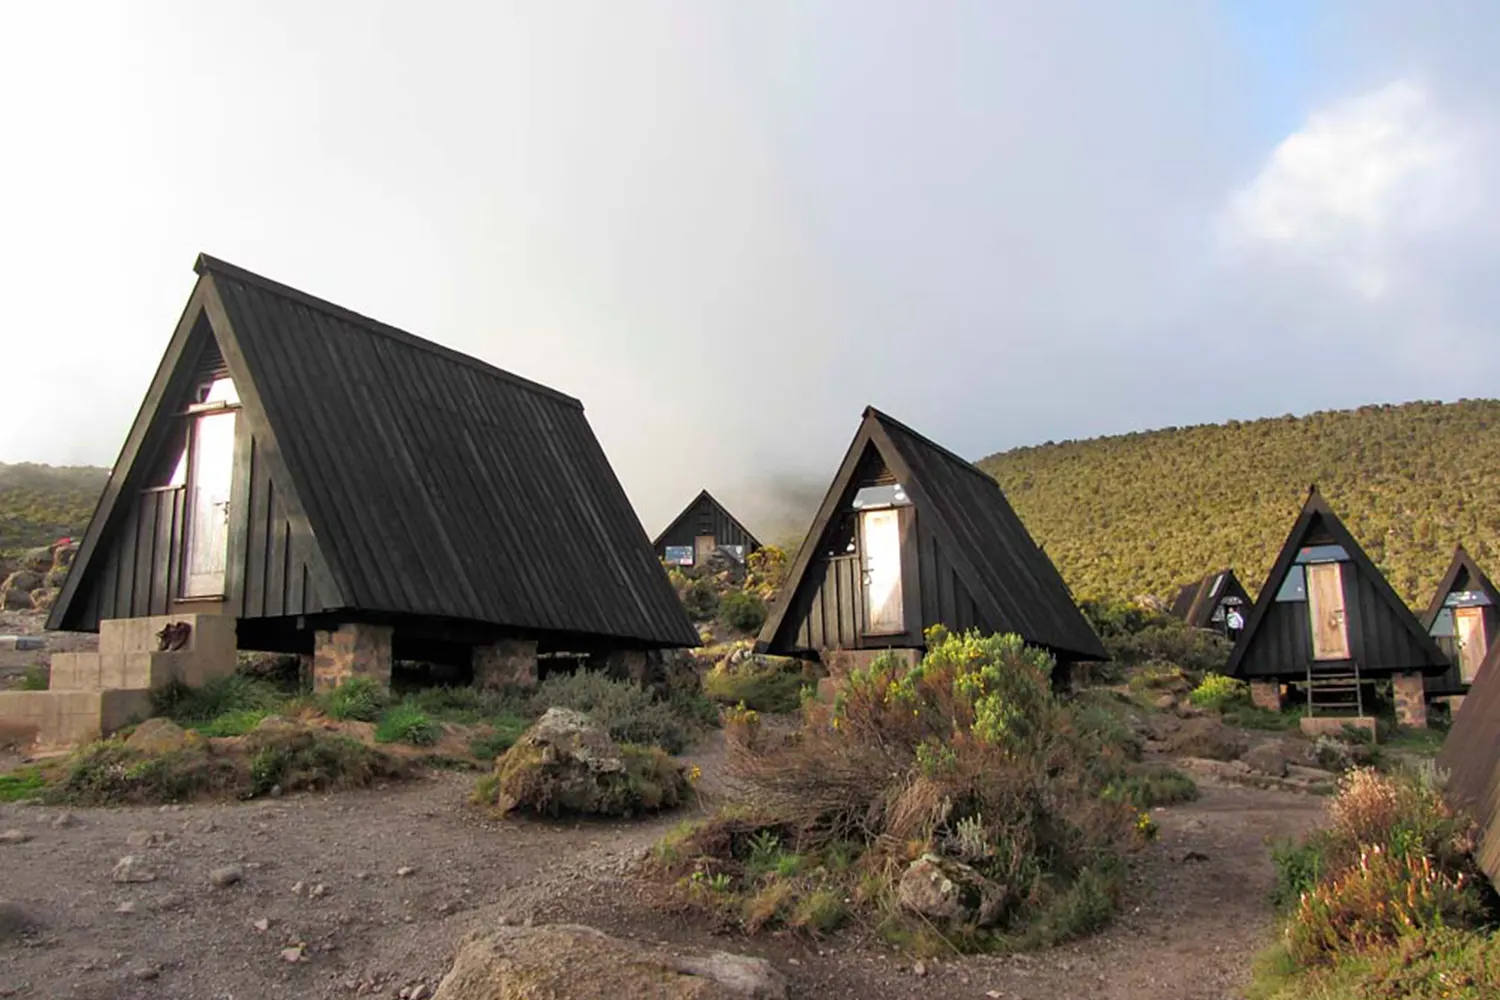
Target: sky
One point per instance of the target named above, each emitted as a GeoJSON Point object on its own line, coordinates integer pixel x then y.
{"type": "Point", "coordinates": [728, 227]}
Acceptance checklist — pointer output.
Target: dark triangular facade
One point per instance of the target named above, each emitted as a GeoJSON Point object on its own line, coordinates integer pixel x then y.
{"type": "Point", "coordinates": [910, 535]}
{"type": "Point", "coordinates": [1464, 617]}
{"type": "Point", "coordinates": [704, 526]}
{"type": "Point", "coordinates": [1471, 760]}
{"type": "Point", "coordinates": [1204, 603]}
{"type": "Point", "coordinates": [375, 476]}
{"type": "Point", "coordinates": [1325, 606]}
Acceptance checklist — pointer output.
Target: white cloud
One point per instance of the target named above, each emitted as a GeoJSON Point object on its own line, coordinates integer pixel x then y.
{"type": "Point", "coordinates": [1356, 190]}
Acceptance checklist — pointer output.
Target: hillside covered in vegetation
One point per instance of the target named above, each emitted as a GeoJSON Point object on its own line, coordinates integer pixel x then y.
{"type": "Point", "coordinates": [1142, 513]}
{"type": "Point", "coordinates": [41, 503]}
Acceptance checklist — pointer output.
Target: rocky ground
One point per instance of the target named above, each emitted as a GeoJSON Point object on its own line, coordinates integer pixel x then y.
{"type": "Point", "coordinates": [369, 894]}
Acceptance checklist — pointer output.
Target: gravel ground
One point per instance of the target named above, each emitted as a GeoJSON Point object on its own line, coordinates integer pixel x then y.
{"type": "Point", "coordinates": [368, 894]}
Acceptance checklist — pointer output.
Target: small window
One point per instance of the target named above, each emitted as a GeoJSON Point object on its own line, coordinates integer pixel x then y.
{"type": "Point", "coordinates": [875, 497]}
{"type": "Point", "coordinates": [1467, 599]}
{"type": "Point", "coordinates": [220, 390]}
{"type": "Point", "coordinates": [1294, 587]}
{"type": "Point", "coordinates": [679, 555]}
{"type": "Point", "coordinates": [1322, 554]}
{"type": "Point", "coordinates": [1442, 625]}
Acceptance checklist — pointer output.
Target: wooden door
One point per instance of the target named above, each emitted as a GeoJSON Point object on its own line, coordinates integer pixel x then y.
{"type": "Point", "coordinates": [1468, 626]}
{"type": "Point", "coordinates": [881, 548]}
{"type": "Point", "coordinates": [1325, 606]}
{"type": "Point", "coordinates": [703, 547]}
{"type": "Point", "coordinates": [210, 473]}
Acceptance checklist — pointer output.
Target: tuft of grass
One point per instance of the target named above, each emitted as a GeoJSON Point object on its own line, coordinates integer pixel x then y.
{"type": "Point", "coordinates": [504, 731]}
{"type": "Point", "coordinates": [234, 694]}
{"type": "Point", "coordinates": [1255, 717]}
{"type": "Point", "coordinates": [1148, 788]}
{"type": "Point", "coordinates": [36, 678]}
{"type": "Point", "coordinates": [625, 708]}
{"type": "Point", "coordinates": [299, 759]}
{"type": "Point", "coordinates": [464, 705]}
{"type": "Point", "coordinates": [821, 911]}
{"type": "Point", "coordinates": [1441, 963]}
{"type": "Point", "coordinates": [359, 699]}
{"type": "Point", "coordinates": [406, 723]}
{"type": "Point", "coordinates": [236, 723]}
{"type": "Point", "coordinates": [22, 783]}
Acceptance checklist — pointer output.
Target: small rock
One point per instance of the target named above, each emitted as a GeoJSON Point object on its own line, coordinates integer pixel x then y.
{"type": "Point", "coordinates": [126, 907]}
{"type": "Point", "coordinates": [146, 838]}
{"type": "Point", "coordinates": [293, 954]}
{"type": "Point", "coordinates": [226, 876]}
{"type": "Point", "coordinates": [297, 888]}
{"type": "Point", "coordinates": [404, 871]}
{"type": "Point", "coordinates": [919, 969]}
{"type": "Point", "coordinates": [318, 891]}
{"type": "Point", "coordinates": [14, 837]}
{"type": "Point", "coordinates": [419, 992]}
{"type": "Point", "coordinates": [132, 869]}
{"type": "Point", "coordinates": [1195, 856]}
{"type": "Point", "coordinates": [275, 791]}
{"type": "Point", "coordinates": [262, 925]}
{"type": "Point", "coordinates": [65, 819]}
{"type": "Point", "coordinates": [146, 973]}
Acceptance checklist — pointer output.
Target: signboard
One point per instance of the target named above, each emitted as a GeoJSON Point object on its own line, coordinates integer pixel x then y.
{"type": "Point", "coordinates": [1466, 599]}
{"type": "Point", "coordinates": [737, 551]}
{"type": "Point", "coordinates": [679, 555]}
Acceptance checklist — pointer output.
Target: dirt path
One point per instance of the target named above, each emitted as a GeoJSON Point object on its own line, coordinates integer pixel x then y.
{"type": "Point", "coordinates": [372, 930]}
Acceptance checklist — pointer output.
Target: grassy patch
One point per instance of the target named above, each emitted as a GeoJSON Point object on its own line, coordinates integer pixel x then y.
{"type": "Point", "coordinates": [235, 723]}
{"type": "Point", "coordinates": [359, 699]}
{"type": "Point", "coordinates": [406, 723]}
{"type": "Point", "coordinates": [22, 783]}
{"type": "Point", "coordinates": [502, 734]}
{"type": "Point", "coordinates": [1422, 742]}
{"type": "Point", "coordinates": [232, 695]}
{"type": "Point", "coordinates": [1254, 717]}
{"type": "Point", "coordinates": [1439, 964]}
{"type": "Point", "coordinates": [761, 685]}
{"type": "Point", "coordinates": [36, 678]}
{"type": "Point", "coordinates": [1150, 787]}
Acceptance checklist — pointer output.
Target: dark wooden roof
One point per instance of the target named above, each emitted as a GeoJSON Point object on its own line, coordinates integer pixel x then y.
{"type": "Point", "coordinates": [1471, 757]}
{"type": "Point", "coordinates": [434, 484]}
{"type": "Point", "coordinates": [1195, 602]}
{"type": "Point", "coordinates": [1316, 512]}
{"type": "Point", "coordinates": [1011, 580]}
{"type": "Point", "coordinates": [1463, 574]}
{"type": "Point", "coordinates": [704, 497]}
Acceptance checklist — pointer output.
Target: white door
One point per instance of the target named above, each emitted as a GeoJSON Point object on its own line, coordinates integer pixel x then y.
{"type": "Point", "coordinates": [1472, 646]}
{"type": "Point", "coordinates": [209, 481]}
{"type": "Point", "coordinates": [882, 571]}
{"type": "Point", "coordinates": [1325, 606]}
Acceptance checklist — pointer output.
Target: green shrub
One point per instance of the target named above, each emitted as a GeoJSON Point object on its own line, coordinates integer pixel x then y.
{"type": "Point", "coordinates": [1217, 692]}
{"type": "Point", "coordinates": [742, 611]}
{"type": "Point", "coordinates": [701, 599]}
{"type": "Point", "coordinates": [297, 758]}
{"type": "Point", "coordinates": [762, 685]}
{"type": "Point", "coordinates": [967, 755]}
{"type": "Point", "coordinates": [111, 773]}
{"type": "Point", "coordinates": [1443, 963]}
{"type": "Point", "coordinates": [36, 678]}
{"type": "Point", "coordinates": [231, 695]}
{"type": "Point", "coordinates": [359, 699]}
{"type": "Point", "coordinates": [406, 723]}
{"type": "Point", "coordinates": [1298, 868]}
{"type": "Point", "coordinates": [236, 723]}
{"type": "Point", "coordinates": [465, 705]}
{"type": "Point", "coordinates": [625, 708]}
{"type": "Point", "coordinates": [1248, 716]}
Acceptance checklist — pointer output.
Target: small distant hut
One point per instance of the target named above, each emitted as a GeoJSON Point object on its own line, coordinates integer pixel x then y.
{"type": "Point", "coordinates": [1463, 617]}
{"type": "Point", "coordinates": [910, 535]}
{"type": "Point", "coordinates": [1327, 625]}
{"type": "Point", "coordinates": [1206, 603]}
{"type": "Point", "coordinates": [704, 527]}
{"type": "Point", "coordinates": [1471, 759]}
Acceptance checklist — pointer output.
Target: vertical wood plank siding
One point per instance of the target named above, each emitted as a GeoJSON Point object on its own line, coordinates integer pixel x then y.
{"type": "Point", "coordinates": [704, 516]}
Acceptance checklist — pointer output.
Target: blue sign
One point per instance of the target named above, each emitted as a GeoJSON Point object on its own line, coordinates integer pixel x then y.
{"type": "Point", "coordinates": [679, 555]}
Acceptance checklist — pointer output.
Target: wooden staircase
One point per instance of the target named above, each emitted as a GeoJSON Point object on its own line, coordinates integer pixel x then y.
{"type": "Point", "coordinates": [1336, 691]}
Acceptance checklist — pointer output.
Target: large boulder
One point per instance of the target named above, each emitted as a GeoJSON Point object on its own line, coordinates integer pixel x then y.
{"type": "Point", "coordinates": [562, 961]}
{"type": "Point", "coordinates": [15, 600]}
{"type": "Point", "coordinates": [156, 736]}
{"type": "Point", "coordinates": [43, 598]}
{"type": "Point", "coordinates": [22, 579]}
{"type": "Point", "coordinates": [1206, 736]}
{"type": "Point", "coordinates": [1271, 758]}
{"type": "Point", "coordinates": [56, 577]}
{"type": "Point", "coordinates": [567, 763]}
{"type": "Point", "coordinates": [946, 891]}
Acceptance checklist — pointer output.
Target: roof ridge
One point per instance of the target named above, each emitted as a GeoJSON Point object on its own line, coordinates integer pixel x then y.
{"type": "Point", "coordinates": [890, 421]}
{"type": "Point", "coordinates": [206, 264]}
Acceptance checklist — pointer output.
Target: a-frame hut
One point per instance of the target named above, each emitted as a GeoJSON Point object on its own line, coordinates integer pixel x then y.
{"type": "Point", "coordinates": [337, 487]}
{"type": "Point", "coordinates": [1471, 759]}
{"type": "Point", "coordinates": [1327, 624]}
{"type": "Point", "coordinates": [1463, 617]}
{"type": "Point", "coordinates": [703, 528]}
{"type": "Point", "coordinates": [909, 536]}
{"type": "Point", "coordinates": [1206, 603]}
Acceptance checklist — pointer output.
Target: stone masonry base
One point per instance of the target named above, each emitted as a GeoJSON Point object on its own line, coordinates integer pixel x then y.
{"type": "Point", "coordinates": [1266, 695]}
{"type": "Point", "coordinates": [1411, 700]}
{"type": "Point", "coordinates": [508, 663]}
{"type": "Point", "coordinates": [354, 649]}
